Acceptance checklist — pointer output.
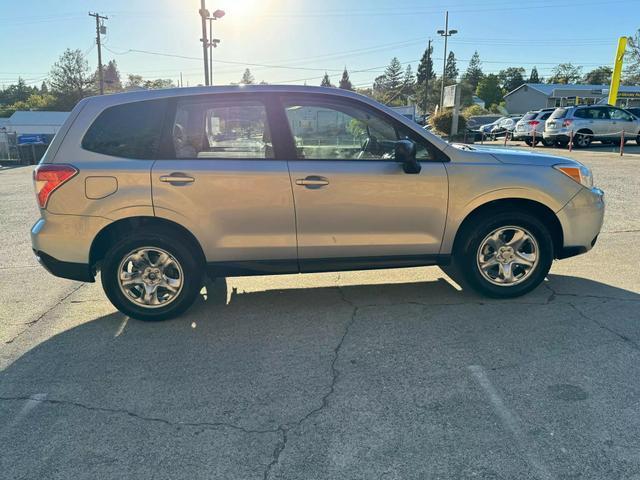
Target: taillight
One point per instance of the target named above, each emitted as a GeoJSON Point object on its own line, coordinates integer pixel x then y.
{"type": "Point", "coordinates": [533, 123]}
{"type": "Point", "coordinates": [48, 177]}
{"type": "Point", "coordinates": [567, 123]}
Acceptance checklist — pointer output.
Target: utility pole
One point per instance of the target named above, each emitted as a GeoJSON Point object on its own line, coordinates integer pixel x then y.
{"type": "Point", "coordinates": [446, 33]}
{"type": "Point", "coordinates": [426, 78]}
{"type": "Point", "coordinates": [204, 13]}
{"type": "Point", "coordinates": [100, 28]}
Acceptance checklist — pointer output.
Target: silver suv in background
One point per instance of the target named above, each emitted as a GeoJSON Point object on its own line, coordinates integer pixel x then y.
{"type": "Point", "coordinates": [155, 189]}
{"type": "Point", "coordinates": [591, 122]}
{"type": "Point", "coordinates": [530, 127]}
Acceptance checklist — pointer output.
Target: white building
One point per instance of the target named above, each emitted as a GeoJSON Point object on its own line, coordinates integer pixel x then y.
{"type": "Point", "coordinates": [35, 123]}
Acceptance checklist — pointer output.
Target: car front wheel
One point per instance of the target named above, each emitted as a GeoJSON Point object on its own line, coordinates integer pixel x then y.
{"type": "Point", "coordinates": [151, 276]}
{"type": "Point", "coordinates": [505, 255]}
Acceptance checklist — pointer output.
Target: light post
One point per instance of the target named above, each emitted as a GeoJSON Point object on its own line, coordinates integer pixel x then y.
{"type": "Point", "coordinates": [213, 42]}
{"type": "Point", "coordinates": [446, 33]}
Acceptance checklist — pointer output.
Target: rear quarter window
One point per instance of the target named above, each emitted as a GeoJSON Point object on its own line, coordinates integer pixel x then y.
{"type": "Point", "coordinates": [131, 130]}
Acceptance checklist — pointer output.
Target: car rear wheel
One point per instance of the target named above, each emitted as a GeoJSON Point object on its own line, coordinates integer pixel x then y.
{"type": "Point", "coordinates": [504, 255]}
{"type": "Point", "coordinates": [638, 139]}
{"type": "Point", "coordinates": [582, 139]}
{"type": "Point", "coordinates": [151, 276]}
{"type": "Point", "coordinates": [547, 143]}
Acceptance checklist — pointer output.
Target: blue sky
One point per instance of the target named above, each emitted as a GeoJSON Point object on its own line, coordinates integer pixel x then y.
{"type": "Point", "coordinates": [305, 37]}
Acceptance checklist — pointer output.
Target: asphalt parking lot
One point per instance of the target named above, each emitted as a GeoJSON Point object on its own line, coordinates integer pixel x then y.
{"type": "Point", "coordinates": [393, 374]}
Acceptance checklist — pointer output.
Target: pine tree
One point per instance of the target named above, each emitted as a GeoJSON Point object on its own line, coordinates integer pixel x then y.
{"type": "Point", "coordinates": [345, 82]}
{"type": "Point", "coordinates": [425, 67]}
{"type": "Point", "coordinates": [474, 74]}
{"type": "Point", "coordinates": [393, 76]}
{"type": "Point", "coordinates": [533, 77]}
{"type": "Point", "coordinates": [111, 74]}
{"type": "Point", "coordinates": [247, 78]}
{"type": "Point", "coordinates": [408, 82]}
{"type": "Point", "coordinates": [451, 68]}
{"type": "Point", "coordinates": [44, 88]}
{"type": "Point", "coordinates": [326, 81]}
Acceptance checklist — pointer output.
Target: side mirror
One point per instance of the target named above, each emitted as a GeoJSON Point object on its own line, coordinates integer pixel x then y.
{"type": "Point", "coordinates": [405, 153]}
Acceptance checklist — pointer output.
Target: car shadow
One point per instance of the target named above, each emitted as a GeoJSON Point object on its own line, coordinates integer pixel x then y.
{"type": "Point", "coordinates": [255, 361]}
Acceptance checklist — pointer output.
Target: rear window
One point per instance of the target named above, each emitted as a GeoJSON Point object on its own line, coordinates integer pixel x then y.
{"type": "Point", "coordinates": [559, 113]}
{"type": "Point", "coordinates": [529, 116]}
{"type": "Point", "coordinates": [131, 130]}
{"type": "Point", "coordinates": [545, 115]}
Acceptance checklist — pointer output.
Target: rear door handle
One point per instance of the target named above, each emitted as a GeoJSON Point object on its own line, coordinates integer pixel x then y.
{"type": "Point", "coordinates": [312, 181]}
{"type": "Point", "coordinates": [177, 177]}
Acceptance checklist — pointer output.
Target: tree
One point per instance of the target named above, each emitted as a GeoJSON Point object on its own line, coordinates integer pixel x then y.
{"type": "Point", "coordinates": [425, 67]}
{"type": "Point", "coordinates": [44, 88]}
{"type": "Point", "coordinates": [451, 69]}
{"type": "Point", "coordinates": [489, 90]}
{"type": "Point", "coordinates": [134, 81]}
{"type": "Point", "coordinates": [632, 70]}
{"type": "Point", "coordinates": [158, 83]}
{"type": "Point", "coordinates": [474, 74]}
{"type": "Point", "coordinates": [18, 92]}
{"type": "Point", "coordinates": [247, 77]}
{"type": "Point", "coordinates": [326, 81]}
{"type": "Point", "coordinates": [533, 76]}
{"type": "Point", "coordinates": [565, 73]}
{"type": "Point", "coordinates": [408, 82]}
{"type": "Point", "coordinates": [393, 76]}
{"type": "Point", "coordinates": [112, 82]}
{"type": "Point", "coordinates": [345, 82]}
{"type": "Point", "coordinates": [70, 80]}
{"type": "Point", "coordinates": [599, 76]}
{"type": "Point", "coordinates": [511, 78]}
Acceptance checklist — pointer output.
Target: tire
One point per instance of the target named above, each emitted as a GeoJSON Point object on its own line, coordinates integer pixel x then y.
{"type": "Point", "coordinates": [638, 139]}
{"type": "Point", "coordinates": [529, 142]}
{"type": "Point", "coordinates": [582, 140]}
{"type": "Point", "coordinates": [473, 249]}
{"type": "Point", "coordinates": [561, 143]}
{"type": "Point", "coordinates": [547, 143]}
{"type": "Point", "coordinates": [176, 279]}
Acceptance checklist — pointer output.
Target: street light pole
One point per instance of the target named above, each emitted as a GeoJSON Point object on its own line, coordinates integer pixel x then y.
{"type": "Point", "coordinates": [205, 42]}
{"type": "Point", "coordinates": [446, 33]}
{"type": "Point", "coordinates": [213, 42]}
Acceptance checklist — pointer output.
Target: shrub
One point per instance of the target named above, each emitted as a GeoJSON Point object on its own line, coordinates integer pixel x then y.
{"type": "Point", "coordinates": [474, 110]}
{"type": "Point", "coordinates": [441, 121]}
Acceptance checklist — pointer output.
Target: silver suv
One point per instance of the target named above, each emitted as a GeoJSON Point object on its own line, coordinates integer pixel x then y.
{"type": "Point", "coordinates": [587, 123]}
{"type": "Point", "coordinates": [156, 189]}
{"type": "Point", "coordinates": [530, 128]}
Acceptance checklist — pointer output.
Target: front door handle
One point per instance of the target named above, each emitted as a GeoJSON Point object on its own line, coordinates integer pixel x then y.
{"type": "Point", "coordinates": [177, 177]}
{"type": "Point", "coordinates": [313, 181]}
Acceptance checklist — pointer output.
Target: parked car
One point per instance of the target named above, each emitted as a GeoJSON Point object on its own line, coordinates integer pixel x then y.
{"type": "Point", "coordinates": [156, 188]}
{"type": "Point", "coordinates": [485, 129]}
{"type": "Point", "coordinates": [530, 127]}
{"type": "Point", "coordinates": [475, 123]}
{"type": "Point", "coordinates": [634, 110]}
{"type": "Point", "coordinates": [591, 122]}
{"type": "Point", "coordinates": [504, 127]}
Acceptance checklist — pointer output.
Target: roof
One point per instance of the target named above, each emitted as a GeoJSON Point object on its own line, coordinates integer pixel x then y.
{"type": "Point", "coordinates": [37, 118]}
{"type": "Point", "coordinates": [550, 88]}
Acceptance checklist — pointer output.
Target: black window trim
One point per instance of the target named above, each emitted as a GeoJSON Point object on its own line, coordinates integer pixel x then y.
{"type": "Point", "coordinates": [167, 149]}
{"type": "Point", "coordinates": [291, 150]}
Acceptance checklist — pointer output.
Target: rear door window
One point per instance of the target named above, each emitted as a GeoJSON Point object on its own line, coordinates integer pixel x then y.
{"type": "Point", "coordinates": [131, 130]}
{"type": "Point", "coordinates": [221, 129]}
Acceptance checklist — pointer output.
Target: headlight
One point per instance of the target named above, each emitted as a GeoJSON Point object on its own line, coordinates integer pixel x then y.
{"type": "Point", "coordinates": [580, 174]}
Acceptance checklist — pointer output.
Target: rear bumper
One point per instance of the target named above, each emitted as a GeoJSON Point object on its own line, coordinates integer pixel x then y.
{"type": "Point", "coordinates": [559, 136]}
{"type": "Point", "coordinates": [581, 219]}
{"type": "Point", "coordinates": [73, 271]}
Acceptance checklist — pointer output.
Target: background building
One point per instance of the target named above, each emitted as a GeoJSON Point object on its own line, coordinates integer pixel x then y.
{"type": "Point", "coordinates": [533, 96]}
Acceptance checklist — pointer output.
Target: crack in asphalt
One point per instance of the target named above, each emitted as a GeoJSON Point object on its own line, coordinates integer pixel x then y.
{"type": "Point", "coordinates": [624, 338]}
{"type": "Point", "coordinates": [33, 322]}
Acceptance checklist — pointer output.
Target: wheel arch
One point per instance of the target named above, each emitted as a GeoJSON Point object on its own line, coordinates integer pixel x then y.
{"type": "Point", "coordinates": [125, 226]}
{"type": "Point", "coordinates": [540, 210]}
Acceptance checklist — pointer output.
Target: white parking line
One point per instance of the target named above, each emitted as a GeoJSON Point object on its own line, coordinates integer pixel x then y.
{"type": "Point", "coordinates": [510, 421]}
{"type": "Point", "coordinates": [122, 326]}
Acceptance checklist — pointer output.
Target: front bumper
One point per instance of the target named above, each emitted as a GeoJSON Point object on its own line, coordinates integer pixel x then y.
{"type": "Point", "coordinates": [581, 219]}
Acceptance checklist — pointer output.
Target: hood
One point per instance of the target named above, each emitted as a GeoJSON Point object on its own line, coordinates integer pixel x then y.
{"type": "Point", "coordinates": [522, 157]}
